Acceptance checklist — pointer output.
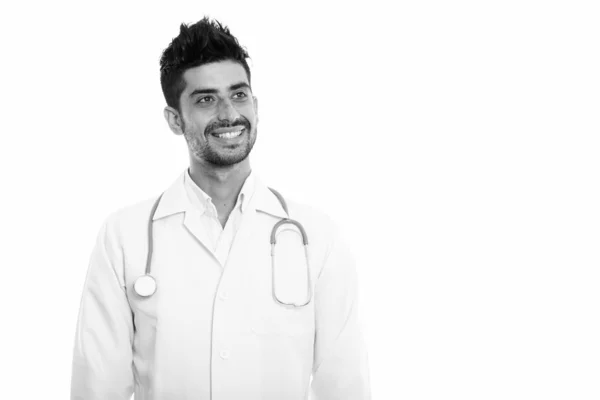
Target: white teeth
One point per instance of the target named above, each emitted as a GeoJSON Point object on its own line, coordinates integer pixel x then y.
{"type": "Point", "coordinates": [229, 135]}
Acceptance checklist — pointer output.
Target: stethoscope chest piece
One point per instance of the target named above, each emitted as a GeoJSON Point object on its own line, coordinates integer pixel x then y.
{"type": "Point", "coordinates": [145, 286]}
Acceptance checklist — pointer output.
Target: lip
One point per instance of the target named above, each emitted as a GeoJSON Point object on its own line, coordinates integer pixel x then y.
{"type": "Point", "coordinates": [233, 140]}
{"type": "Point", "coordinates": [236, 128]}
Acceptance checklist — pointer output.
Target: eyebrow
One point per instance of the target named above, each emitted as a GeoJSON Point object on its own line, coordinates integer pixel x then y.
{"type": "Point", "coordinates": [233, 87]}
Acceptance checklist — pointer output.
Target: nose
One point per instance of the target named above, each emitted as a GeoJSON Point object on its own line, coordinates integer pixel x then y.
{"type": "Point", "coordinates": [227, 111]}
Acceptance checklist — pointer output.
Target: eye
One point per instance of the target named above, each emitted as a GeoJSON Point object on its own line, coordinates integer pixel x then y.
{"type": "Point", "coordinates": [205, 99]}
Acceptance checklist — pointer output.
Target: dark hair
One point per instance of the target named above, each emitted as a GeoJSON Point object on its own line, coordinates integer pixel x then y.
{"type": "Point", "coordinates": [201, 43]}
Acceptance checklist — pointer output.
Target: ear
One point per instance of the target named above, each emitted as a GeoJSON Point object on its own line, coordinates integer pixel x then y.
{"type": "Point", "coordinates": [174, 120]}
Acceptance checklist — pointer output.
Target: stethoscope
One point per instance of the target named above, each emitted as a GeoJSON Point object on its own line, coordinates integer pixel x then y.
{"type": "Point", "coordinates": [145, 285]}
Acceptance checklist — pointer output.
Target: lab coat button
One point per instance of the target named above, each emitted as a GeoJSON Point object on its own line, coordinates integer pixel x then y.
{"type": "Point", "coordinates": [224, 354]}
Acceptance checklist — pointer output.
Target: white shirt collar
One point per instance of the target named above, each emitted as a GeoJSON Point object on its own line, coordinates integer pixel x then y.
{"type": "Point", "coordinates": [202, 201]}
{"type": "Point", "coordinates": [259, 197]}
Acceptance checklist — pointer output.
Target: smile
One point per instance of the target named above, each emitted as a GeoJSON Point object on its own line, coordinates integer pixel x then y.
{"type": "Point", "coordinates": [229, 134]}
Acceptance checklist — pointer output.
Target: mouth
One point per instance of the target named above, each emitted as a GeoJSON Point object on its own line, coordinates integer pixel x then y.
{"type": "Point", "coordinates": [228, 133]}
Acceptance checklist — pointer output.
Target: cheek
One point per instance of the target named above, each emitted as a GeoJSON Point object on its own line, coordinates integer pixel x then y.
{"type": "Point", "coordinates": [250, 115]}
{"type": "Point", "coordinates": [196, 125]}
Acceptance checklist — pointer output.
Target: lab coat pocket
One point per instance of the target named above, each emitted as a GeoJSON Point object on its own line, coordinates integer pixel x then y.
{"type": "Point", "coordinates": [279, 321]}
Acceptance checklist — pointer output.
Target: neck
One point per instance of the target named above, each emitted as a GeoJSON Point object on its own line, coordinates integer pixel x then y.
{"type": "Point", "coordinates": [222, 184]}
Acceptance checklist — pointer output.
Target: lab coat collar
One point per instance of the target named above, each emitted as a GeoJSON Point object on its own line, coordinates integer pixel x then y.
{"type": "Point", "coordinates": [175, 199]}
{"type": "Point", "coordinates": [264, 200]}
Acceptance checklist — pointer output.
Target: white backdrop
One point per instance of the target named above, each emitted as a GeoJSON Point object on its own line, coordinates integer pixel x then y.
{"type": "Point", "coordinates": [455, 142]}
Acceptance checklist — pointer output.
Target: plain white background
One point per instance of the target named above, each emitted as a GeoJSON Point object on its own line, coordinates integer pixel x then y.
{"type": "Point", "coordinates": [456, 143]}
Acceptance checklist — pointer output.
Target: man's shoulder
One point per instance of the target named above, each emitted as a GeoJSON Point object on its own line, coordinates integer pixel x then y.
{"type": "Point", "coordinates": [131, 215]}
{"type": "Point", "coordinates": [317, 222]}
{"type": "Point", "coordinates": [307, 211]}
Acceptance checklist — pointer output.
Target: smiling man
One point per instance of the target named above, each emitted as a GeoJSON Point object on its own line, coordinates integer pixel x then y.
{"type": "Point", "coordinates": [220, 288]}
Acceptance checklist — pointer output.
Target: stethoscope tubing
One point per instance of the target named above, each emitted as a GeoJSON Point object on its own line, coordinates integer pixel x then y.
{"type": "Point", "coordinates": [308, 279]}
{"type": "Point", "coordinates": [147, 277]}
{"type": "Point", "coordinates": [151, 235]}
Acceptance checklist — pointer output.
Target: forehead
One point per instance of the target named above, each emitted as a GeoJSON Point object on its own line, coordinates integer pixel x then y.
{"type": "Point", "coordinates": [217, 75]}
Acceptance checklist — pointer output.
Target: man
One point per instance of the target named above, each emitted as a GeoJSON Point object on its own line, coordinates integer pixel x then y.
{"type": "Point", "coordinates": [183, 298]}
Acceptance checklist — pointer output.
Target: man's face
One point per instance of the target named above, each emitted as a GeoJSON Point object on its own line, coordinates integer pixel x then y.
{"type": "Point", "coordinates": [219, 113]}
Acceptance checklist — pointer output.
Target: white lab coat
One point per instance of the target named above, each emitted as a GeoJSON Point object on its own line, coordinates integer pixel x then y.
{"type": "Point", "coordinates": [211, 332]}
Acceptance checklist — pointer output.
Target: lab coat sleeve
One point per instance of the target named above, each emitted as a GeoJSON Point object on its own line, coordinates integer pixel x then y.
{"type": "Point", "coordinates": [102, 357]}
{"type": "Point", "coordinates": [340, 369]}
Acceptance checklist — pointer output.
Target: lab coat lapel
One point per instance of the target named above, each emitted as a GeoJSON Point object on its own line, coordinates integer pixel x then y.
{"type": "Point", "coordinates": [246, 242]}
{"type": "Point", "coordinates": [175, 200]}
{"type": "Point", "coordinates": [193, 224]}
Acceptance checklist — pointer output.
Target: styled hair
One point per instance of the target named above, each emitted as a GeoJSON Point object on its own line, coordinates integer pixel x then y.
{"type": "Point", "coordinates": [202, 43]}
